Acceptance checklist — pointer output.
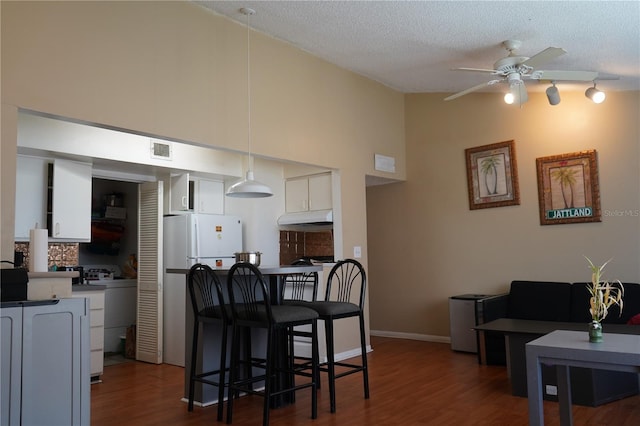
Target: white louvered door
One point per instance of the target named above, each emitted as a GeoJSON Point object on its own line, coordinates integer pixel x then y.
{"type": "Point", "coordinates": [149, 321]}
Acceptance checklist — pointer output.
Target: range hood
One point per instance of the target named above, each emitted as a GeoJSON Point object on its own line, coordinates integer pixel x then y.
{"type": "Point", "coordinates": [314, 217]}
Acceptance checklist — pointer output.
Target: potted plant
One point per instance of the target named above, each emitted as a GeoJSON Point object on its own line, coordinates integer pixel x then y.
{"type": "Point", "coordinates": [603, 296]}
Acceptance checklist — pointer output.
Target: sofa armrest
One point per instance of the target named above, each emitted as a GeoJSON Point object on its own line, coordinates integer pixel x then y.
{"type": "Point", "coordinates": [492, 308]}
{"type": "Point", "coordinates": [491, 346]}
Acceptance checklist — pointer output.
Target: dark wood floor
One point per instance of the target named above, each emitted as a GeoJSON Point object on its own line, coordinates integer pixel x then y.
{"type": "Point", "coordinates": [412, 383]}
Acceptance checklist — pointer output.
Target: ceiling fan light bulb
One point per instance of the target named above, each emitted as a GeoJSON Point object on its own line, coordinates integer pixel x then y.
{"type": "Point", "coordinates": [509, 98]}
{"type": "Point", "coordinates": [553, 95]}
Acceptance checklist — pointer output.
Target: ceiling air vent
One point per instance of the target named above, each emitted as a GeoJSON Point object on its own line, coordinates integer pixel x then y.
{"type": "Point", "coordinates": [161, 150]}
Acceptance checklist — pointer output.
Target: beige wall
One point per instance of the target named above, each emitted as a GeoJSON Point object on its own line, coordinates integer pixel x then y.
{"type": "Point", "coordinates": [174, 70]}
{"type": "Point", "coordinates": [425, 245]}
{"type": "Point", "coordinates": [177, 71]}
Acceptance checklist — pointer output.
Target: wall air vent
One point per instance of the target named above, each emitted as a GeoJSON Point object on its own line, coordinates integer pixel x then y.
{"type": "Point", "coordinates": [161, 150]}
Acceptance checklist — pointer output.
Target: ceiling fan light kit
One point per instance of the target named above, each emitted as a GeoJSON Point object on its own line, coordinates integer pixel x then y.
{"type": "Point", "coordinates": [248, 187]}
{"type": "Point", "coordinates": [515, 70]}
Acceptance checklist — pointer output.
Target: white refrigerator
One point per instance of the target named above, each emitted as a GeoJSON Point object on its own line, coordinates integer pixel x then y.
{"type": "Point", "coordinates": [190, 239]}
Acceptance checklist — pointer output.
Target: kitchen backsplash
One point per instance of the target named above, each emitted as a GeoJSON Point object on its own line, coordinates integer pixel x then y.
{"type": "Point", "coordinates": [296, 244]}
{"type": "Point", "coordinates": [60, 254]}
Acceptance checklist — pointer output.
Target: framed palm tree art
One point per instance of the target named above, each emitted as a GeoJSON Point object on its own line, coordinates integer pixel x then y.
{"type": "Point", "coordinates": [492, 175]}
{"type": "Point", "coordinates": [568, 188]}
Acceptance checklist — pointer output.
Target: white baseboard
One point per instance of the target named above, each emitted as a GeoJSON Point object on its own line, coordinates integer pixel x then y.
{"type": "Point", "coordinates": [411, 336]}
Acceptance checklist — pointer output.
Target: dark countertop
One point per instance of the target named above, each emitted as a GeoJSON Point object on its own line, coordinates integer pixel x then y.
{"type": "Point", "coordinates": [86, 287]}
{"type": "Point", "coordinates": [27, 303]}
{"type": "Point", "coordinates": [56, 274]}
{"type": "Point", "coordinates": [266, 270]}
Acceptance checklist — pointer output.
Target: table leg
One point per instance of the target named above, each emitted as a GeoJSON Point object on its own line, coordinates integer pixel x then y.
{"type": "Point", "coordinates": [534, 389]}
{"type": "Point", "coordinates": [564, 395]}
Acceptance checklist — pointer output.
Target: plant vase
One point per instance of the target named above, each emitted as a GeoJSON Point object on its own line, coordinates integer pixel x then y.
{"type": "Point", "coordinates": [595, 332]}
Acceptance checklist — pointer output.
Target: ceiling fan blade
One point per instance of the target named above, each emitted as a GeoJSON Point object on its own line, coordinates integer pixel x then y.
{"type": "Point", "coordinates": [471, 89]}
{"type": "Point", "coordinates": [476, 70]}
{"type": "Point", "coordinates": [564, 75]}
{"type": "Point", "coordinates": [543, 57]}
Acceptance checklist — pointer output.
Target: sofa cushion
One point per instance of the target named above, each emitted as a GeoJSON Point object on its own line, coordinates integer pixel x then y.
{"type": "Point", "coordinates": [540, 300]}
{"type": "Point", "coordinates": [580, 304]}
{"type": "Point", "coordinates": [635, 320]}
{"type": "Point", "coordinates": [631, 302]}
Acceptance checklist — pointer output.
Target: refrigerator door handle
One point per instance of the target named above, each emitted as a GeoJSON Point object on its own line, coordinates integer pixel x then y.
{"type": "Point", "coordinates": [196, 229]}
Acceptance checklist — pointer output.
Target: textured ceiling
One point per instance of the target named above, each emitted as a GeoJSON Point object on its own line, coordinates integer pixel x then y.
{"type": "Point", "coordinates": [411, 46]}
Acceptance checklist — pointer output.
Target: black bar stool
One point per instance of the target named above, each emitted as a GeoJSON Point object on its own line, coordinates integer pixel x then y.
{"type": "Point", "coordinates": [347, 277]}
{"type": "Point", "coordinates": [298, 289]}
{"type": "Point", "coordinates": [251, 309]}
{"type": "Point", "coordinates": [205, 291]}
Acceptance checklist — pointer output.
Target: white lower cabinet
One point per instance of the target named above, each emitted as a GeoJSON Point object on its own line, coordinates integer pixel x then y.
{"type": "Point", "coordinates": [96, 305]}
{"type": "Point", "coordinates": [45, 363]}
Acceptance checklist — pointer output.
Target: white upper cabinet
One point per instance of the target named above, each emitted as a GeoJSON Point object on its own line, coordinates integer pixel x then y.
{"type": "Point", "coordinates": [179, 193]}
{"type": "Point", "coordinates": [195, 195]}
{"type": "Point", "coordinates": [308, 193]}
{"type": "Point", "coordinates": [70, 201]}
{"type": "Point", "coordinates": [208, 196]}
{"type": "Point", "coordinates": [56, 196]}
{"type": "Point", "coordinates": [320, 192]}
{"type": "Point", "coordinates": [31, 195]}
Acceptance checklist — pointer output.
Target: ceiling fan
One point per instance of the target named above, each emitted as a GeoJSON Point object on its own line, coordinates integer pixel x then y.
{"type": "Point", "coordinates": [515, 70]}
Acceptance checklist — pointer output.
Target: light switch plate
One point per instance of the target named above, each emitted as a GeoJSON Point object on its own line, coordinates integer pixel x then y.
{"type": "Point", "coordinates": [357, 252]}
{"type": "Point", "coordinates": [551, 390]}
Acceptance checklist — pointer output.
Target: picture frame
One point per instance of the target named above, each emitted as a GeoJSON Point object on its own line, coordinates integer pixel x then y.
{"type": "Point", "coordinates": [568, 188]}
{"type": "Point", "coordinates": [492, 175]}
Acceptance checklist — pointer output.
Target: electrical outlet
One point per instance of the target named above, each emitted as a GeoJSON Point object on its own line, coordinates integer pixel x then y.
{"type": "Point", "coordinates": [551, 390]}
{"type": "Point", "coordinates": [357, 252]}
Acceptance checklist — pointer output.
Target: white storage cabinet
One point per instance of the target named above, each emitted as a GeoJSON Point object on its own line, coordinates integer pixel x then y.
{"type": "Point", "coordinates": [45, 368]}
{"type": "Point", "coordinates": [195, 195]}
{"type": "Point", "coordinates": [96, 328]}
{"type": "Point", "coordinates": [31, 195]}
{"type": "Point", "coordinates": [308, 193]}
{"type": "Point", "coordinates": [70, 215]}
{"type": "Point", "coordinates": [54, 195]}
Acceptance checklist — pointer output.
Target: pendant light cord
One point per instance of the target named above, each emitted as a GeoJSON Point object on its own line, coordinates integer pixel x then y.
{"type": "Point", "coordinates": [249, 12]}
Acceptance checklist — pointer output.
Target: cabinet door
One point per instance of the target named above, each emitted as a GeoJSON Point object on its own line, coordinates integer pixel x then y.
{"type": "Point", "coordinates": [10, 365]}
{"type": "Point", "coordinates": [31, 195]}
{"type": "Point", "coordinates": [179, 193]}
{"type": "Point", "coordinates": [55, 360]}
{"type": "Point", "coordinates": [71, 201]}
{"type": "Point", "coordinates": [320, 192]}
{"type": "Point", "coordinates": [209, 196]}
{"type": "Point", "coordinates": [296, 195]}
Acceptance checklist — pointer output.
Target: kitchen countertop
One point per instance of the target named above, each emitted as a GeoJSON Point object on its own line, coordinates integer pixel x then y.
{"type": "Point", "coordinates": [62, 274]}
{"type": "Point", "coordinates": [266, 270]}
{"type": "Point", "coordinates": [87, 287]}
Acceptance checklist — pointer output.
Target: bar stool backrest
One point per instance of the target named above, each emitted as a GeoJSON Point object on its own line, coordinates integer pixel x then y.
{"type": "Point", "coordinates": [205, 291]}
{"type": "Point", "coordinates": [249, 296]}
{"type": "Point", "coordinates": [346, 279]}
{"type": "Point", "coordinates": [302, 286]}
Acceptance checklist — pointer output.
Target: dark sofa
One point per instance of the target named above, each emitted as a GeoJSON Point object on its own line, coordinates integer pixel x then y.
{"type": "Point", "coordinates": [560, 302]}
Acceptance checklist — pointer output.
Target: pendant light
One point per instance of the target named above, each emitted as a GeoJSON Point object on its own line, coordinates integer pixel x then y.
{"type": "Point", "coordinates": [248, 187]}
